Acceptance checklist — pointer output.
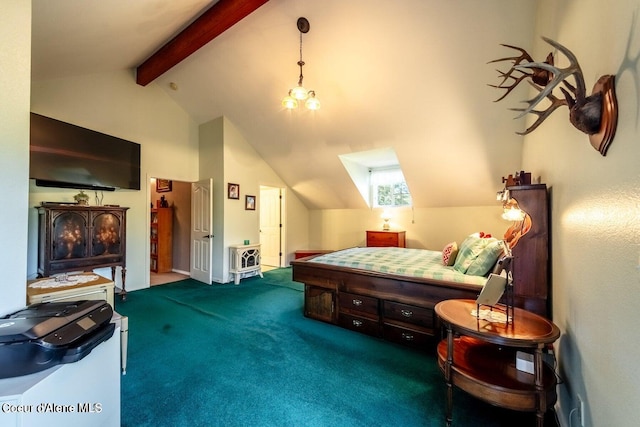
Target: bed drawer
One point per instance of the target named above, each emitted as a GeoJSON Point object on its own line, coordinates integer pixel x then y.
{"type": "Point", "coordinates": [360, 324]}
{"type": "Point", "coordinates": [410, 337]}
{"type": "Point", "coordinates": [358, 304]}
{"type": "Point", "coordinates": [408, 314]}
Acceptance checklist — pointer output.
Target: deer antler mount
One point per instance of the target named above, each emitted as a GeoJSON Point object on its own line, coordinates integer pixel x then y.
{"type": "Point", "coordinates": [595, 114]}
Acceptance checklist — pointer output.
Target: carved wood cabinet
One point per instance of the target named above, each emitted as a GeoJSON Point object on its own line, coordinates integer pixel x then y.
{"type": "Point", "coordinates": [531, 271]}
{"type": "Point", "coordinates": [80, 238]}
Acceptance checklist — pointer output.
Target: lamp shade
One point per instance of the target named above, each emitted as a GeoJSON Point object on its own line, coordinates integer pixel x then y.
{"type": "Point", "coordinates": [289, 102]}
{"type": "Point", "coordinates": [299, 93]}
{"type": "Point", "coordinates": [512, 212]}
{"type": "Point", "coordinates": [312, 102]}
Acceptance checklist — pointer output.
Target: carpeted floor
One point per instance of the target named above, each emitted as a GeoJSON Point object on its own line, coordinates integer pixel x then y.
{"type": "Point", "coordinates": [226, 355]}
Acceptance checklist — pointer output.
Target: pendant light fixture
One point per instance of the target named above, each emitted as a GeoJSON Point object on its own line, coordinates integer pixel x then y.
{"type": "Point", "coordinates": [299, 93]}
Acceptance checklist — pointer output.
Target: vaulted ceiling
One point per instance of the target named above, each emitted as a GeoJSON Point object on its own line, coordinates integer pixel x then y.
{"type": "Point", "coordinates": [406, 74]}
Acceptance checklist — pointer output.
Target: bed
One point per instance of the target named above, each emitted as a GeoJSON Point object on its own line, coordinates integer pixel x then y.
{"type": "Point", "coordinates": [417, 263]}
{"type": "Point", "coordinates": [390, 292]}
{"type": "Point", "coordinates": [397, 306]}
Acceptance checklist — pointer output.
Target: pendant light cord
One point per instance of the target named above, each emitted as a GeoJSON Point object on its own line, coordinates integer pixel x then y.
{"type": "Point", "coordinates": [301, 62]}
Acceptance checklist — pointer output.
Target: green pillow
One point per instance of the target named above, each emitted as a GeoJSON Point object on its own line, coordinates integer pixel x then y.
{"type": "Point", "coordinates": [486, 259]}
{"type": "Point", "coordinates": [469, 250]}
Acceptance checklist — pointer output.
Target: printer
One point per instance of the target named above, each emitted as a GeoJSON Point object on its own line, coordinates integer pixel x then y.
{"type": "Point", "coordinates": [44, 335]}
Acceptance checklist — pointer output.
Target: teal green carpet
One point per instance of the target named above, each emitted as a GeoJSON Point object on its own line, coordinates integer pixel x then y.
{"type": "Point", "coordinates": [226, 355]}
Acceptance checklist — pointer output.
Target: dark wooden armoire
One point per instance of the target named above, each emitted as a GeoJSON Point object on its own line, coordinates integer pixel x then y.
{"type": "Point", "coordinates": [531, 260]}
{"type": "Point", "coordinates": [80, 238]}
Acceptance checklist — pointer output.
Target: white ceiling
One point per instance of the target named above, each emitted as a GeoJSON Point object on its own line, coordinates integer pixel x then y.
{"type": "Point", "coordinates": [406, 74]}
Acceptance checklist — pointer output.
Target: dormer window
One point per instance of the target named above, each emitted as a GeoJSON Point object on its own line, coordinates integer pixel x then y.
{"type": "Point", "coordinates": [378, 177]}
{"type": "Point", "coordinates": [388, 188]}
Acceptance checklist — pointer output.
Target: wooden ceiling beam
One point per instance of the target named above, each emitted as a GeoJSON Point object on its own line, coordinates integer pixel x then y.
{"type": "Point", "coordinates": [215, 21]}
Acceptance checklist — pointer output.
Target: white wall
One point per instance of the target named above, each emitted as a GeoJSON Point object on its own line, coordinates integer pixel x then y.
{"type": "Point", "coordinates": [15, 38]}
{"type": "Point", "coordinates": [297, 230]}
{"type": "Point", "coordinates": [114, 104]}
{"type": "Point", "coordinates": [228, 158]}
{"type": "Point", "coordinates": [595, 215]}
{"type": "Point", "coordinates": [242, 166]}
{"type": "Point", "coordinates": [425, 228]}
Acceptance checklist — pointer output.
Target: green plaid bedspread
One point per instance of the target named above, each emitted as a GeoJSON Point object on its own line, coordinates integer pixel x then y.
{"type": "Point", "coordinates": [399, 261]}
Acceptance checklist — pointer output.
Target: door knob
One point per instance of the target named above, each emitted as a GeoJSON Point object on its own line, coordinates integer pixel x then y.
{"type": "Point", "coordinates": [208, 236]}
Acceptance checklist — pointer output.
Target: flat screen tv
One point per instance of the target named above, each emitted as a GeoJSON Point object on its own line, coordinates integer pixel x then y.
{"type": "Point", "coordinates": [63, 155]}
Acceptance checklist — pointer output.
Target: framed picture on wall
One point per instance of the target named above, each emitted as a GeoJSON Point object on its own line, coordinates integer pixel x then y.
{"type": "Point", "coordinates": [233, 191]}
{"type": "Point", "coordinates": [250, 203]}
{"type": "Point", "coordinates": [163, 185]}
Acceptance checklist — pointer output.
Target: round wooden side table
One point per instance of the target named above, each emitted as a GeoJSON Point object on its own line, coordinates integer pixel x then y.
{"type": "Point", "coordinates": [481, 358]}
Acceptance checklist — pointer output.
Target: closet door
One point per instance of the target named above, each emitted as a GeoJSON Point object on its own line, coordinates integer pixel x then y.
{"type": "Point", "coordinates": [201, 230]}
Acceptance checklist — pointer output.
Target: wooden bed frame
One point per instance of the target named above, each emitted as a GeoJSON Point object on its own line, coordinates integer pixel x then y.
{"type": "Point", "coordinates": [400, 308]}
{"type": "Point", "coordinates": [396, 308]}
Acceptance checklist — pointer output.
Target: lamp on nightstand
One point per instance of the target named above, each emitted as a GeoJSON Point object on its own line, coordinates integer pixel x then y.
{"type": "Point", "coordinates": [386, 216]}
{"type": "Point", "coordinates": [511, 211]}
{"type": "Point", "coordinates": [521, 222]}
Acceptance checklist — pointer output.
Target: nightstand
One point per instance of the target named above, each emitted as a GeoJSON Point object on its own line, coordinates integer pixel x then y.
{"type": "Point", "coordinates": [386, 238]}
{"type": "Point", "coordinates": [479, 357]}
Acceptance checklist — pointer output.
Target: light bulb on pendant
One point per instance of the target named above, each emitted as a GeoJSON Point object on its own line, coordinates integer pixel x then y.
{"type": "Point", "coordinates": [299, 93]}
{"type": "Point", "coordinates": [289, 102]}
{"type": "Point", "coordinates": [312, 102]}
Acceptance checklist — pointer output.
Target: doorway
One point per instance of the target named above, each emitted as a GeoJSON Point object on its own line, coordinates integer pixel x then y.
{"type": "Point", "coordinates": [169, 224]}
{"type": "Point", "coordinates": [271, 226]}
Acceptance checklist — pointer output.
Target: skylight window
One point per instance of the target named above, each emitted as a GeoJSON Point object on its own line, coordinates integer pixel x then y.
{"type": "Point", "coordinates": [378, 177]}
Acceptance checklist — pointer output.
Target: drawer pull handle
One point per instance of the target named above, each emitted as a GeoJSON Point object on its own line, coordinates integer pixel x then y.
{"type": "Point", "coordinates": [357, 323]}
{"type": "Point", "coordinates": [406, 313]}
{"type": "Point", "coordinates": [407, 337]}
{"type": "Point", "coordinates": [357, 302]}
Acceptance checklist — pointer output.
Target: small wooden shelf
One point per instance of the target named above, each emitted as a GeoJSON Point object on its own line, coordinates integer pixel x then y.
{"type": "Point", "coordinates": [477, 364]}
{"type": "Point", "coordinates": [161, 240]}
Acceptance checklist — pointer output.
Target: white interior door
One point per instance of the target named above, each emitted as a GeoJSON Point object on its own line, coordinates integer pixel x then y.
{"type": "Point", "coordinates": [270, 226]}
{"type": "Point", "coordinates": [201, 230]}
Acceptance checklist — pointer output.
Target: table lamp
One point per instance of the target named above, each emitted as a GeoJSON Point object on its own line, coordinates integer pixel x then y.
{"type": "Point", "coordinates": [386, 216]}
